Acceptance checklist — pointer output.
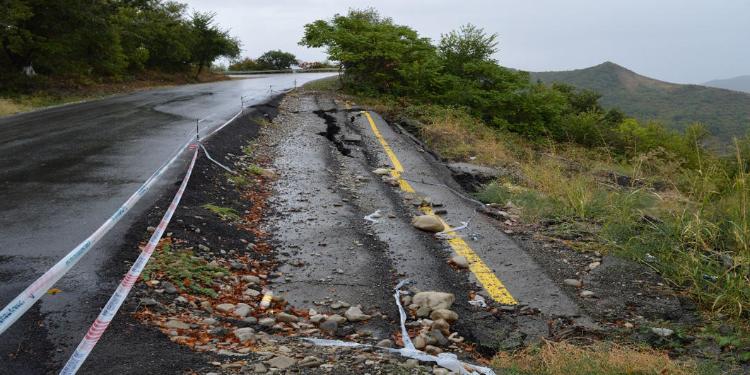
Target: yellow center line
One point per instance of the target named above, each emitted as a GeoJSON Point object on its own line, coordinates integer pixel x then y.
{"type": "Point", "coordinates": [481, 271]}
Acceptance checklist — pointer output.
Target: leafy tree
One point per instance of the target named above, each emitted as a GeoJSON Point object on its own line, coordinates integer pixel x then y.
{"type": "Point", "coordinates": [277, 59]}
{"type": "Point", "coordinates": [246, 64]}
{"type": "Point", "coordinates": [105, 38]}
{"type": "Point", "coordinates": [210, 42]}
{"type": "Point", "coordinates": [468, 44]}
{"type": "Point", "coordinates": [376, 54]}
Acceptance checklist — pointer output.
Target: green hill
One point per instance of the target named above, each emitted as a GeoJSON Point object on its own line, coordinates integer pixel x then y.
{"type": "Point", "coordinates": [725, 113]}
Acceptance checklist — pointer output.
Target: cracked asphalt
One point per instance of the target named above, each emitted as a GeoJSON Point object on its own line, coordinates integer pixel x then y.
{"type": "Point", "coordinates": [327, 251]}
{"type": "Point", "coordinates": [65, 170]}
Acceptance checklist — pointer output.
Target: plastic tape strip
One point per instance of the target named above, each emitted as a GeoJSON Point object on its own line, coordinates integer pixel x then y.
{"type": "Point", "coordinates": [23, 302]}
{"type": "Point", "coordinates": [446, 360]}
{"type": "Point", "coordinates": [110, 309]}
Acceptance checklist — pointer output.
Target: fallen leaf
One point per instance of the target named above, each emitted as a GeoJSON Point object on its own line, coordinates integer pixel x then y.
{"type": "Point", "coordinates": [54, 291]}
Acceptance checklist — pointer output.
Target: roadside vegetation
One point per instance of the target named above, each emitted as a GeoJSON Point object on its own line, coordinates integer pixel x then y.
{"type": "Point", "coordinates": [53, 51]}
{"type": "Point", "coordinates": [597, 179]}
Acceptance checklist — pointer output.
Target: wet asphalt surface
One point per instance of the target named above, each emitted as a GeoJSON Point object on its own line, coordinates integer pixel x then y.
{"type": "Point", "coordinates": [64, 170]}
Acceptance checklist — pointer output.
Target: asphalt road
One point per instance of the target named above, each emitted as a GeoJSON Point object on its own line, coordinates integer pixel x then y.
{"type": "Point", "coordinates": [64, 170]}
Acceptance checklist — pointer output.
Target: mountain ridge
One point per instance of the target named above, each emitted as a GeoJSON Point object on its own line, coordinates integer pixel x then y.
{"type": "Point", "coordinates": [739, 83]}
{"type": "Point", "coordinates": [725, 113]}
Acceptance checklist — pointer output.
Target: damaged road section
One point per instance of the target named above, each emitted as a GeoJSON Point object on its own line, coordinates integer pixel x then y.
{"type": "Point", "coordinates": [257, 263]}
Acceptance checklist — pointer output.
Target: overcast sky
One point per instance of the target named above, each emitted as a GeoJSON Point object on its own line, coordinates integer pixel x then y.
{"type": "Point", "coordinates": [685, 41]}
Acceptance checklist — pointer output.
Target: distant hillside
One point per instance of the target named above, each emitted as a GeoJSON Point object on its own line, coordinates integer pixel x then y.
{"type": "Point", "coordinates": [725, 113]}
{"type": "Point", "coordinates": [741, 83]}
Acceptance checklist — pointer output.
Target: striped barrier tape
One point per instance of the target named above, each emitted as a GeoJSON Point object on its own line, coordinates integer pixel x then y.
{"type": "Point", "coordinates": [23, 302]}
{"type": "Point", "coordinates": [101, 323]}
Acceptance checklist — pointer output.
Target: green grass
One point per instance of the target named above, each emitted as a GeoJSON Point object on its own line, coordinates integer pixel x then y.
{"type": "Point", "coordinates": [256, 170]}
{"type": "Point", "coordinates": [698, 230]}
{"type": "Point", "coordinates": [324, 84]}
{"type": "Point", "coordinates": [225, 213]}
{"type": "Point", "coordinates": [240, 181]}
{"type": "Point", "coordinates": [25, 103]}
{"type": "Point", "coordinates": [184, 270]}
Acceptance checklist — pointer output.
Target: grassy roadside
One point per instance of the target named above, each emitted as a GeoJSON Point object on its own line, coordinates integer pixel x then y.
{"type": "Point", "coordinates": [45, 93]}
{"type": "Point", "coordinates": [646, 209]}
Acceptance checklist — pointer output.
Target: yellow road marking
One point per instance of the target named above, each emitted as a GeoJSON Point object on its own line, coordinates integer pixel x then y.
{"type": "Point", "coordinates": [481, 271]}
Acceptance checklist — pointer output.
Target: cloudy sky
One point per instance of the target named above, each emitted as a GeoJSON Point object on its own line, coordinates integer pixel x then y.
{"type": "Point", "coordinates": [685, 41]}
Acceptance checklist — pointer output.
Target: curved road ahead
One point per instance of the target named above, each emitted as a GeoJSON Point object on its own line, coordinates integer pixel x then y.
{"type": "Point", "coordinates": [63, 172]}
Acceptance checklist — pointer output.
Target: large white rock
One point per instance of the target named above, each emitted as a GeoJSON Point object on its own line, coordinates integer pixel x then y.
{"type": "Point", "coordinates": [434, 300]}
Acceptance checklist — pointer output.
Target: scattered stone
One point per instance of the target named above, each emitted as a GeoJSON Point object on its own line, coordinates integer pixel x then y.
{"type": "Point", "coordinates": [594, 265]}
{"type": "Point", "coordinates": [317, 319]}
{"type": "Point", "coordinates": [151, 229]}
{"type": "Point", "coordinates": [329, 326]}
{"type": "Point", "coordinates": [339, 304]}
{"type": "Point", "coordinates": [176, 324]}
{"type": "Point", "coordinates": [250, 320]}
{"type": "Point", "coordinates": [210, 321]}
{"type": "Point", "coordinates": [448, 315]}
{"type": "Point", "coordinates": [250, 279]}
{"type": "Point", "coordinates": [410, 364]}
{"type": "Point", "coordinates": [148, 302]}
{"type": "Point", "coordinates": [242, 310]}
{"type": "Point", "coordinates": [337, 318]}
{"type": "Point", "coordinates": [440, 339]}
{"type": "Point", "coordinates": [440, 371]}
{"type": "Point", "coordinates": [282, 362]}
{"type": "Point", "coordinates": [434, 300]}
{"type": "Point", "coordinates": [573, 282]}
{"type": "Point", "coordinates": [259, 368]}
{"type": "Point", "coordinates": [225, 307]}
{"type": "Point", "coordinates": [206, 306]}
{"type": "Point", "coordinates": [310, 361]}
{"type": "Point", "coordinates": [355, 314]}
{"type": "Point", "coordinates": [384, 343]}
{"type": "Point", "coordinates": [662, 332]}
{"type": "Point", "coordinates": [169, 288]}
{"type": "Point", "coordinates": [460, 261]}
{"type": "Point", "coordinates": [628, 325]}
{"type": "Point", "coordinates": [204, 248]}
{"type": "Point", "coordinates": [586, 293]}
{"type": "Point", "coordinates": [244, 334]}
{"type": "Point", "coordinates": [382, 171]}
{"type": "Point", "coordinates": [423, 312]}
{"type": "Point", "coordinates": [419, 342]}
{"type": "Point", "coordinates": [286, 318]}
{"type": "Point", "coordinates": [251, 292]}
{"type": "Point", "coordinates": [428, 223]}
{"type": "Point", "coordinates": [267, 322]}
{"type": "Point", "coordinates": [441, 325]}
{"type": "Point", "coordinates": [431, 349]}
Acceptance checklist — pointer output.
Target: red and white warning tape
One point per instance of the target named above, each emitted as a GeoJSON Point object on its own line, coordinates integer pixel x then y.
{"type": "Point", "coordinates": [110, 309]}
{"type": "Point", "coordinates": [23, 302]}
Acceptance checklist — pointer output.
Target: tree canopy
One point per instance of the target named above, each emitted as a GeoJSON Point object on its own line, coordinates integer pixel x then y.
{"type": "Point", "coordinates": [95, 38]}
{"type": "Point", "coordinates": [277, 59]}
